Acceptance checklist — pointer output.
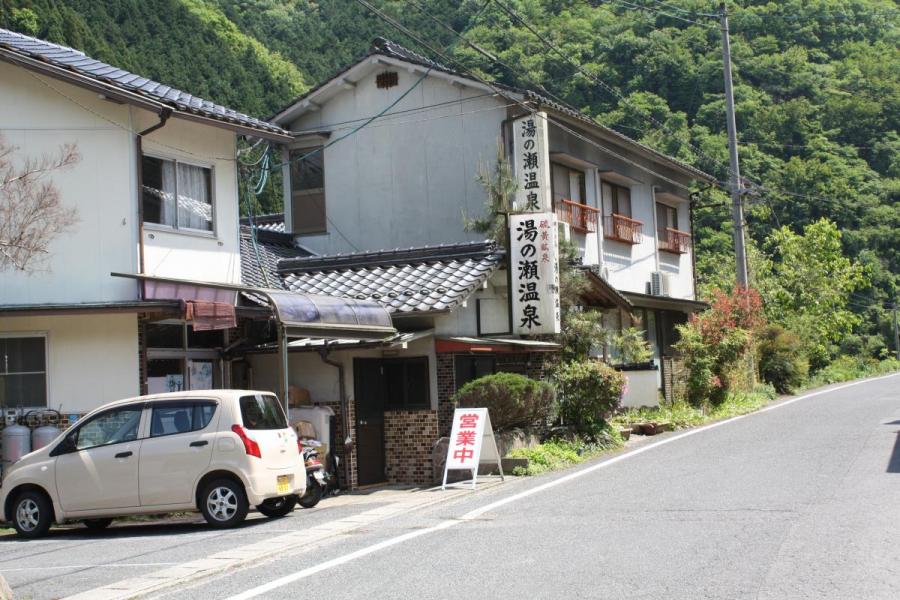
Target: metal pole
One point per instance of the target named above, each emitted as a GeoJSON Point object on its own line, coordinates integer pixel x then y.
{"type": "Point", "coordinates": [283, 356]}
{"type": "Point", "coordinates": [734, 179]}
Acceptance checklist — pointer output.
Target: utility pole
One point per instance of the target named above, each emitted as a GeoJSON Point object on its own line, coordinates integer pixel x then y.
{"type": "Point", "coordinates": [734, 179]}
{"type": "Point", "coordinates": [896, 331]}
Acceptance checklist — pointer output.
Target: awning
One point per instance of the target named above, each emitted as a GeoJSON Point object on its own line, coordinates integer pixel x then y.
{"type": "Point", "coordinates": [303, 315]}
{"type": "Point", "coordinates": [602, 294]}
{"type": "Point", "coordinates": [665, 302]}
{"type": "Point", "coordinates": [493, 345]}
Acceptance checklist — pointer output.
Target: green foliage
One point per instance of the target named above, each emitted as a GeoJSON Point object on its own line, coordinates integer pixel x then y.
{"type": "Point", "coordinates": [589, 392]}
{"type": "Point", "coordinates": [781, 359]}
{"type": "Point", "coordinates": [512, 399]}
{"type": "Point", "coordinates": [500, 186]}
{"type": "Point", "coordinates": [582, 333]}
{"type": "Point", "coordinates": [632, 346]}
{"type": "Point", "coordinates": [560, 453]}
{"type": "Point", "coordinates": [681, 414]}
{"type": "Point", "coordinates": [846, 368]}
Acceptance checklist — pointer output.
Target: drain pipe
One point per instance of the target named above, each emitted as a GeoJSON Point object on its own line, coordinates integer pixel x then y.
{"type": "Point", "coordinates": [345, 413]}
{"type": "Point", "coordinates": [164, 114]}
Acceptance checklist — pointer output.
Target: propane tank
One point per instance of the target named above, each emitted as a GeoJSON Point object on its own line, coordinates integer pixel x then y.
{"type": "Point", "coordinates": [16, 441]}
{"type": "Point", "coordinates": [41, 436]}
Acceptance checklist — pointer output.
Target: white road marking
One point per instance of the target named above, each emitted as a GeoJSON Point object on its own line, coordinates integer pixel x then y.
{"type": "Point", "coordinates": [101, 566]}
{"type": "Point", "coordinates": [474, 514]}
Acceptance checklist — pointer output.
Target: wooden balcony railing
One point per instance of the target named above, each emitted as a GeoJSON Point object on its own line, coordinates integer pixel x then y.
{"type": "Point", "coordinates": [673, 240]}
{"type": "Point", "coordinates": [580, 217]}
{"type": "Point", "coordinates": [623, 229]}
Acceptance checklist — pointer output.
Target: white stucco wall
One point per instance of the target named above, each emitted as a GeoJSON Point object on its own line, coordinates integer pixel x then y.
{"type": "Point", "coordinates": [306, 370]}
{"type": "Point", "coordinates": [39, 115]}
{"type": "Point", "coordinates": [37, 120]}
{"type": "Point", "coordinates": [406, 180]}
{"type": "Point", "coordinates": [92, 359]}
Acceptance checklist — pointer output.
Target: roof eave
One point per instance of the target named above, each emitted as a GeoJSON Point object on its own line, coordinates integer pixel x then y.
{"type": "Point", "coordinates": [116, 93]}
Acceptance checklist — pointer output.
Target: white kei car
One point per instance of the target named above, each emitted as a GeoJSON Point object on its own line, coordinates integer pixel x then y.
{"type": "Point", "coordinates": [216, 451]}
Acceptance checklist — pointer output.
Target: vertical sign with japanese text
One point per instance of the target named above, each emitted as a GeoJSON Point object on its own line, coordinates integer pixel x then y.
{"type": "Point", "coordinates": [471, 442]}
{"type": "Point", "coordinates": [531, 156]}
{"type": "Point", "coordinates": [534, 270]}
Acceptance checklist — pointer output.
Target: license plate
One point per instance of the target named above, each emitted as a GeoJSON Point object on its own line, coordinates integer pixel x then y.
{"type": "Point", "coordinates": [284, 484]}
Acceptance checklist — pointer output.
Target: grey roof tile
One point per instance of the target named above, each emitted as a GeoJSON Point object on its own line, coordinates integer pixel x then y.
{"type": "Point", "coordinates": [427, 279]}
{"type": "Point", "coordinates": [75, 60]}
{"type": "Point", "coordinates": [272, 247]}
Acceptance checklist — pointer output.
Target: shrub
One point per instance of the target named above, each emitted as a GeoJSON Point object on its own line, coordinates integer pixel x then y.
{"type": "Point", "coordinates": [781, 359]}
{"type": "Point", "coordinates": [633, 348]}
{"type": "Point", "coordinates": [590, 391]}
{"type": "Point", "coordinates": [711, 367]}
{"type": "Point", "coordinates": [513, 400]}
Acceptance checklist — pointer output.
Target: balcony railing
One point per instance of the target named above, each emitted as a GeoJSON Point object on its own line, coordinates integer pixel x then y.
{"type": "Point", "coordinates": [580, 217]}
{"type": "Point", "coordinates": [623, 229]}
{"type": "Point", "coordinates": [673, 240]}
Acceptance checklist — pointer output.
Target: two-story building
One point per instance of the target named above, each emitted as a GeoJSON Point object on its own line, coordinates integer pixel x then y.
{"type": "Point", "coordinates": [156, 198]}
{"type": "Point", "coordinates": [381, 209]}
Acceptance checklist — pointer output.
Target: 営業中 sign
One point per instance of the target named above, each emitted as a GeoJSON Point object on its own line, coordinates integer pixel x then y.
{"type": "Point", "coordinates": [534, 270]}
{"type": "Point", "coordinates": [471, 443]}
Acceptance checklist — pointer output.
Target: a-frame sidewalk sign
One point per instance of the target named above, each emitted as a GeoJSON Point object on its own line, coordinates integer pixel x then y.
{"type": "Point", "coordinates": [472, 443]}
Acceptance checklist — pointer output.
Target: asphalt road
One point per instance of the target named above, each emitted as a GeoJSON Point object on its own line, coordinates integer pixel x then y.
{"type": "Point", "coordinates": [799, 501]}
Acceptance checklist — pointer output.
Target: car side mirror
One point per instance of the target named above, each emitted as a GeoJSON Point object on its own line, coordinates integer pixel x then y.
{"type": "Point", "coordinates": [66, 446]}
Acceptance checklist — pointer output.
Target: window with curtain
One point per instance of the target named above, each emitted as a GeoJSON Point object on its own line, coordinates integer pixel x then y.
{"type": "Point", "coordinates": [176, 194]}
{"type": "Point", "coordinates": [308, 191]}
{"type": "Point", "coordinates": [616, 199]}
{"type": "Point", "coordinates": [23, 371]}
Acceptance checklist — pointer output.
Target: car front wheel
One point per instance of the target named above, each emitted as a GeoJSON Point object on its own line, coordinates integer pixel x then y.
{"type": "Point", "coordinates": [277, 507]}
{"type": "Point", "coordinates": [224, 503]}
{"type": "Point", "coordinates": [32, 514]}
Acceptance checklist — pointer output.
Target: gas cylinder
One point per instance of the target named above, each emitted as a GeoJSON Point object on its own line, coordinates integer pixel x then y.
{"type": "Point", "coordinates": [42, 436]}
{"type": "Point", "coordinates": [16, 440]}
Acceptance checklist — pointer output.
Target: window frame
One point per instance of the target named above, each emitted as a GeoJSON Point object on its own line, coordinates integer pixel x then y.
{"type": "Point", "coordinates": [668, 208]}
{"type": "Point", "coordinates": [406, 361]}
{"type": "Point", "coordinates": [46, 337]}
{"type": "Point", "coordinates": [613, 202]}
{"type": "Point", "coordinates": [212, 233]}
{"type": "Point", "coordinates": [193, 402]}
{"type": "Point", "coordinates": [300, 150]}
{"type": "Point", "coordinates": [64, 448]}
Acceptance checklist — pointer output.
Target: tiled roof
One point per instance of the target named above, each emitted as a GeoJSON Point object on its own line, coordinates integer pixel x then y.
{"type": "Point", "coordinates": [383, 47]}
{"type": "Point", "coordinates": [75, 61]}
{"type": "Point", "coordinates": [415, 280]}
{"type": "Point", "coordinates": [272, 247]}
{"type": "Point", "coordinates": [272, 222]}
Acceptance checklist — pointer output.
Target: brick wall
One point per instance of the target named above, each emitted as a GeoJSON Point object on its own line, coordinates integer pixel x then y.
{"type": "Point", "coordinates": [446, 386]}
{"type": "Point", "coordinates": [142, 355]}
{"type": "Point", "coordinates": [408, 438]}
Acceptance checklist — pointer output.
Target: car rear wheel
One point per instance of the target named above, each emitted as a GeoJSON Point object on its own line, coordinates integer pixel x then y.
{"type": "Point", "coordinates": [97, 524]}
{"type": "Point", "coordinates": [224, 503]}
{"type": "Point", "coordinates": [32, 514]}
{"type": "Point", "coordinates": [277, 507]}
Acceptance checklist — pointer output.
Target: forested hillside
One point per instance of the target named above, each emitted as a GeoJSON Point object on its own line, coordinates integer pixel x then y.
{"type": "Point", "coordinates": [817, 85]}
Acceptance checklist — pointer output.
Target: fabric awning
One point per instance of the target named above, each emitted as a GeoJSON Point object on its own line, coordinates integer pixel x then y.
{"type": "Point", "coordinates": [303, 315]}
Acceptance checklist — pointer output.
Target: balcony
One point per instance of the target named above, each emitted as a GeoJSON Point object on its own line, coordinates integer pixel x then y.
{"type": "Point", "coordinates": [673, 240]}
{"type": "Point", "coordinates": [620, 228]}
{"type": "Point", "coordinates": [580, 217]}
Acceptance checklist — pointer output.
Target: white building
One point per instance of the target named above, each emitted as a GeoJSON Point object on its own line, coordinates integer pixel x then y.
{"type": "Point", "coordinates": [383, 208]}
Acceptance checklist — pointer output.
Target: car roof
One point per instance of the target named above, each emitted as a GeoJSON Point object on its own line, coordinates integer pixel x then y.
{"type": "Point", "coordinates": [191, 394]}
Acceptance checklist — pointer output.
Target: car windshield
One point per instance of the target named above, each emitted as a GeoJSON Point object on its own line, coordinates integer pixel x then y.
{"type": "Point", "coordinates": [262, 412]}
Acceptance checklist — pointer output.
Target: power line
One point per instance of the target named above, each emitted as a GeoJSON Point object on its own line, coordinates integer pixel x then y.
{"type": "Point", "coordinates": [643, 8]}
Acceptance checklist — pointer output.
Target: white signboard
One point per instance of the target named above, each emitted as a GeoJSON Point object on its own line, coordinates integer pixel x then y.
{"type": "Point", "coordinates": [534, 268]}
{"type": "Point", "coordinates": [531, 156]}
{"type": "Point", "coordinates": [471, 443]}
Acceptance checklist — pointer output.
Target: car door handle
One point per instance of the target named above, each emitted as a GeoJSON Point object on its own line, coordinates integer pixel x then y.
{"type": "Point", "coordinates": [198, 444]}
{"type": "Point", "coordinates": [124, 454]}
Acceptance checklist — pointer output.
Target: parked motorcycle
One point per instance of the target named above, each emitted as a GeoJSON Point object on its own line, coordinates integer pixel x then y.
{"type": "Point", "coordinates": [316, 476]}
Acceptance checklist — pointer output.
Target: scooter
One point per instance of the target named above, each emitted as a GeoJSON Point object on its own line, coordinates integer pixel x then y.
{"type": "Point", "coordinates": [316, 477]}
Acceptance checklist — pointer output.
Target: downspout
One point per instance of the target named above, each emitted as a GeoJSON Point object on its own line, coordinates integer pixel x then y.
{"type": "Point", "coordinates": [345, 413]}
{"type": "Point", "coordinates": [693, 250]}
{"type": "Point", "coordinates": [164, 114]}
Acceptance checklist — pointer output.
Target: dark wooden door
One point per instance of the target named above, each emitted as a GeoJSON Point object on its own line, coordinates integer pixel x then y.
{"type": "Point", "coordinates": [368, 389]}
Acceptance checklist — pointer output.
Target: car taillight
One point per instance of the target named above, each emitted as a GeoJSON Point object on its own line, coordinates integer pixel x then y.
{"type": "Point", "coordinates": [250, 445]}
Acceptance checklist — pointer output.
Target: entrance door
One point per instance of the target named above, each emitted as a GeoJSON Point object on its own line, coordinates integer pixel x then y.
{"type": "Point", "coordinates": [369, 393]}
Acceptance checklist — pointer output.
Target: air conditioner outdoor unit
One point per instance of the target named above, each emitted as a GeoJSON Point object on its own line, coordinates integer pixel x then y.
{"type": "Point", "coordinates": [659, 284]}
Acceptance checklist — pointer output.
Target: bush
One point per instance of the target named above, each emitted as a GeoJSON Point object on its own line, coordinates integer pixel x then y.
{"type": "Point", "coordinates": [513, 400]}
{"type": "Point", "coordinates": [590, 391]}
{"type": "Point", "coordinates": [633, 348]}
{"type": "Point", "coordinates": [559, 453]}
{"type": "Point", "coordinates": [781, 359]}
